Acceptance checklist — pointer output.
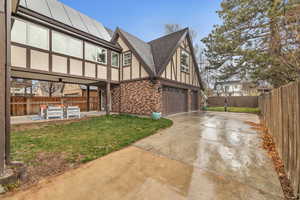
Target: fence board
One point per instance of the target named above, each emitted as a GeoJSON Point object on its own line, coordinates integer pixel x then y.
{"type": "Point", "coordinates": [280, 113]}
{"type": "Point", "coordinates": [31, 105]}
{"type": "Point", "coordinates": [234, 101]}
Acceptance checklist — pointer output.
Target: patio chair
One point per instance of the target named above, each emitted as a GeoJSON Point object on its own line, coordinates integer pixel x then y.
{"type": "Point", "coordinates": [72, 111]}
{"type": "Point", "coordinates": [55, 112]}
{"type": "Point", "coordinates": [43, 109]}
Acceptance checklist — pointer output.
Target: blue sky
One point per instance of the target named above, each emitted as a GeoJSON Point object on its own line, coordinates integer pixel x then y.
{"type": "Point", "coordinates": [146, 18]}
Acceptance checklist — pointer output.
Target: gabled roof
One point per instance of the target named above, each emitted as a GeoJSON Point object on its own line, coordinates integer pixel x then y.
{"type": "Point", "coordinates": [156, 54]}
{"type": "Point", "coordinates": [141, 49]}
{"type": "Point", "coordinates": [164, 47]}
{"type": "Point", "coordinates": [62, 13]}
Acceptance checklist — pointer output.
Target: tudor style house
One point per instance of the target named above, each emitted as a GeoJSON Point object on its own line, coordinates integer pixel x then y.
{"type": "Point", "coordinates": [53, 42]}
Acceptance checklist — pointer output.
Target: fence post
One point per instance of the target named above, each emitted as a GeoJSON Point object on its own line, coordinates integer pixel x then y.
{"type": "Point", "coordinates": [28, 105]}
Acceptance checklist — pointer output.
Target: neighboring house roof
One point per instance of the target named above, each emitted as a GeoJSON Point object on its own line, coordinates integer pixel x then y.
{"type": "Point", "coordinates": [60, 12]}
{"type": "Point", "coordinates": [163, 48]}
{"type": "Point", "coordinates": [156, 54]}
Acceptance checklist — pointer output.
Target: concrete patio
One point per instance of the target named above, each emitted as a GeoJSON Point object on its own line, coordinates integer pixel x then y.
{"type": "Point", "coordinates": [29, 119]}
{"type": "Point", "coordinates": [203, 156]}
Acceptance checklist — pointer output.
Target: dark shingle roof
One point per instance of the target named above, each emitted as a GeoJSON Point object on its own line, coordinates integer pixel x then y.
{"type": "Point", "coordinates": [142, 48]}
{"type": "Point", "coordinates": [162, 48]}
{"type": "Point", "coordinates": [155, 53]}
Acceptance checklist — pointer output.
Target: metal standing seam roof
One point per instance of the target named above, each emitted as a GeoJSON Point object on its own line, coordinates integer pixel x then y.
{"type": "Point", "coordinates": [67, 15]}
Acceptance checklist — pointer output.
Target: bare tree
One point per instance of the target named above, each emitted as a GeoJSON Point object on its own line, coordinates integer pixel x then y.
{"type": "Point", "coordinates": [50, 87]}
{"type": "Point", "coordinates": [171, 28]}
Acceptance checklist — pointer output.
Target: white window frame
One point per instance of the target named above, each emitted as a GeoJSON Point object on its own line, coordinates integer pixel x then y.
{"type": "Point", "coordinates": [185, 68]}
{"type": "Point", "coordinates": [129, 60]}
{"type": "Point", "coordinates": [28, 24]}
{"type": "Point", "coordinates": [115, 53]}
{"type": "Point", "coordinates": [69, 38]}
{"type": "Point", "coordinates": [41, 27]}
{"type": "Point", "coordinates": [95, 49]}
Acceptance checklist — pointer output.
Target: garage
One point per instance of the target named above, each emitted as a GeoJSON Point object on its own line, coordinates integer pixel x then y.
{"type": "Point", "coordinates": [174, 100]}
{"type": "Point", "coordinates": [194, 100]}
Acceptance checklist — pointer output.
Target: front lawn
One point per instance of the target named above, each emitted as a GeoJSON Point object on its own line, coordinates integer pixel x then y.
{"type": "Point", "coordinates": [55, 148]}
{"type": "Point", "coordinates": [234, 109]}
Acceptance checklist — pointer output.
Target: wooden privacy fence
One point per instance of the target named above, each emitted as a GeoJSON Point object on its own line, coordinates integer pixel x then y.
{"type": "Point", "coordinates": [21, 105]}
{"type": "Point", "coordinates": [280, 112]}
{"type": "Point", "coordinates": [234, 101]}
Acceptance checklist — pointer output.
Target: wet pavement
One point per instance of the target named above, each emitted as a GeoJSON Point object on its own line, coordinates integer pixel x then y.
{"type": "Point", "coordinates": [203, 156]}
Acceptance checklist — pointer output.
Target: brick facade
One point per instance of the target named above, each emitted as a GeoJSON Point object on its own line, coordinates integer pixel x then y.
{"type": "Point", "coordinates": [142, 97]}
{"type": "Point", "coordinates": [137, 97]}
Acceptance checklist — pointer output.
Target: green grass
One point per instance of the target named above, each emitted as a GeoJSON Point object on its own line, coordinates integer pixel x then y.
{"type": "Point", "coordinates": [84, 140]}
{"type": "Point", "coordinates": [235, 109]}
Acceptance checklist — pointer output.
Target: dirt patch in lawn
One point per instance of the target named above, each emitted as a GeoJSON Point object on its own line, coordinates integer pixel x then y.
{"type": "Point", "coordinates": [270, 147]}
{"type": "Point", "coordinates": [47, 164]}
{"type": "Point", "coordinates": [44, 165]}
{"type": "Point", "coordinates": [50, 149]}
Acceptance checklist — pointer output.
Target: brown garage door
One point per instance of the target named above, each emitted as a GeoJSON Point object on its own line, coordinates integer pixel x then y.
{"type": "Point", "coordinates": [174, 100]}
{"type": "Point", "coordinates": [194, 102]}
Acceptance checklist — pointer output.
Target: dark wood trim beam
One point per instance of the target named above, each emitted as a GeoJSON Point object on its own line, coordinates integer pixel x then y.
{"type": "Point", "coordinates": [7, 85]}
{"type": "Point", "coordinates": [4, 83]}
{"type": "Point", "coordinates": [147, 68]}
{"type": "Point", "coordinates": [88, 98]}
{"type": "Point", "coordinates": [171, 83]}
{"type": "Point", "coordinates": [50, 49]}
{"type": "Point", "coordinates": [58, 26]}
{"type": "Point", "coordinates": [108, 91]}
{"type": "Point", "coordinates": [68, 66]}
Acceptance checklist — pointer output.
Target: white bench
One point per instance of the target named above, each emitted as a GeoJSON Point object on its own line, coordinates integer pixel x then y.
{"type": "Point", "coordinates": [54, 112]}
{"type": "Point", "coordinates": [72, 111]}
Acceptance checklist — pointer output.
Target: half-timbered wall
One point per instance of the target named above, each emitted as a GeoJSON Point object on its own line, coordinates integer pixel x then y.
{"type": "Point", "coordinates": [29, 56]}
{"type": "Point", "coordinates": [134, 71]}
{"type": "Point", "coordinates": [173, 70]}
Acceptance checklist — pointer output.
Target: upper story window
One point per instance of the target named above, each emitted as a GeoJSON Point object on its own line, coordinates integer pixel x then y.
{"type": "Point", "coordinates": [115, 59]}
{"type": "Point", "coordinates": [30, 34]}
{"type": "Point", "coordinates": [65, 44]}
{"type": "Point", "coordinates": [184, 61]}
{"type": "Point", "coordinates": [95, 53]}
{"type": "Point", "coordinates": [127, 58]}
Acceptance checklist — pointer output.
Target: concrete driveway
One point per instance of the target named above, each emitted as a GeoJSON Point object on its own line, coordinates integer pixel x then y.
{"type": "Point", "coordinates": [203, 156]}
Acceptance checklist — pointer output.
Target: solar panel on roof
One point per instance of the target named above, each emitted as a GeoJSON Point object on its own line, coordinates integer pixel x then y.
{"type": "Point", "coordinates": [75, 19]}
{"type": "Point", "coordinates": [102, 30]}
{"type": "Point", "coordinates": [89, 24]}
{"type": "Point", "coordinates": [67, 15]}
{"type": "Point", "coordinates": [23, 3]}
{"type": "Point", "coordinates": [39, 6]}
{"type": "Point", "coordinates": [58, 12]}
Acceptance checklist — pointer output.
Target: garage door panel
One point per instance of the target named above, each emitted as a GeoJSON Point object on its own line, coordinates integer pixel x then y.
{"type": "Point", "coordinates": [194, 102]}
{"type": "Point", "coordinates": [174, 100]}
